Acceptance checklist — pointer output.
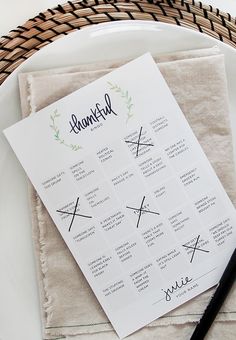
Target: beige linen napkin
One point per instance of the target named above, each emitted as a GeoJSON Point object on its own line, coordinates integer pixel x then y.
{"type": "Point", "coordinates": [197, 80]}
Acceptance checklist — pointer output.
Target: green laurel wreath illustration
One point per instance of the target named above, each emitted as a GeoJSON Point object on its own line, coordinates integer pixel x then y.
{"type": "Point", "coordinates": [57, 134]}
{"type": "Point", "coordinates": [124, 94]}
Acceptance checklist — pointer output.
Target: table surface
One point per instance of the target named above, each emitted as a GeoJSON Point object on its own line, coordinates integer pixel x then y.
{"type": "Point", "coordinates": [15, 12]}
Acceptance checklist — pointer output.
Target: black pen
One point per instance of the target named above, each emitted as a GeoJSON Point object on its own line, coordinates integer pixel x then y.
{"type": "Point", "coordinates": [217, 299]}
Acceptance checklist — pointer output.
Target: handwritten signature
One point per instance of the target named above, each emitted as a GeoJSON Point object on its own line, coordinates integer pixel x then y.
{"type": "Point", "coordinates": [177, 285]}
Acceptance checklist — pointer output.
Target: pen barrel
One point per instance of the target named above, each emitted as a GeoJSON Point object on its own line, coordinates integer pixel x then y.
{"type": "Point", "coordinates": [217, 299]}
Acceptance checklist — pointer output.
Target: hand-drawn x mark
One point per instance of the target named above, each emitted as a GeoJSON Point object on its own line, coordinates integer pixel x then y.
{"type": "Point", "coordinates": [195, 248]}
{"type": "Point", "coordinates": [73, 214]}
{"type": "Point", "coordinates": [138, 142]}
{"type": "Point", "coordinates": [140, 210]}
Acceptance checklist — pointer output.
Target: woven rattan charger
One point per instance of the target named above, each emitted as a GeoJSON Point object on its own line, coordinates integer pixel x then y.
{"type": "Point", "coordinates": [52, 24]}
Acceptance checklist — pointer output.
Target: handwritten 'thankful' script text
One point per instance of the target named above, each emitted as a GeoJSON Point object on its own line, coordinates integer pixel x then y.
{"type": "Point", "coordinates": [97, 114]}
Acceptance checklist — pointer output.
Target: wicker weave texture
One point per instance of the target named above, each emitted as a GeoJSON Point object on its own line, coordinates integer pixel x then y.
{"type": "Point", "coordinates": [52, 24]}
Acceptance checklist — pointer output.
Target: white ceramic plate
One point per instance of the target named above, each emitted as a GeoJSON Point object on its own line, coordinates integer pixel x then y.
{"type": "Point", "coordinates": [19, 306]}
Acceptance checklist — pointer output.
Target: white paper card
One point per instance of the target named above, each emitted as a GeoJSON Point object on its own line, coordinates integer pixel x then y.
{"type": "Point", "coordinates": [131, 192]}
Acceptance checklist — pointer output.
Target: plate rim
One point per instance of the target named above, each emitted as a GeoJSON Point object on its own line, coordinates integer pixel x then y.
{"type": "Point", "coordinates": [103, 28]}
